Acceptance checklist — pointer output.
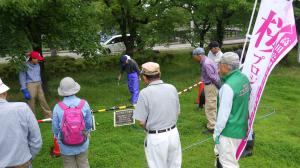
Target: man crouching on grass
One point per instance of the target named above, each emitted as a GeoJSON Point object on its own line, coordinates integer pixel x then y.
{"type": "Point", "coordinates": [232, 115]}
{"type": "Point", "coordinates": [157, 110]}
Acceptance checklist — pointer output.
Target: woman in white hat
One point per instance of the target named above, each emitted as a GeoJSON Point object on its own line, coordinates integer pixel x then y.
{"type": "Point", "coordinates": [72, 113]}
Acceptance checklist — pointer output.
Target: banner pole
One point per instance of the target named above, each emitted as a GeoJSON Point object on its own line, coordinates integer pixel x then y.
{"type": "Point", "coordinates": [249, 27]}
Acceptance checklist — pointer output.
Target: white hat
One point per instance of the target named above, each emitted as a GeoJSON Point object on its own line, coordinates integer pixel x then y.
{"type": "Point", "coordinates": [68, 87]}
{"type": "Point", "coordinates": [3, 87]}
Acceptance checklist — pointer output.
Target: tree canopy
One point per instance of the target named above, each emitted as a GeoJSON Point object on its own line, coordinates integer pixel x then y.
{"type": "Point", "coordinates": [28, 25]}
{"type": "Point", "coordinates": [35, 24]}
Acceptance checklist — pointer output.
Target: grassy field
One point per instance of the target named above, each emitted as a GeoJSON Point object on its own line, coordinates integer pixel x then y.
{"type": "Point", "coordinates": [277, 135]}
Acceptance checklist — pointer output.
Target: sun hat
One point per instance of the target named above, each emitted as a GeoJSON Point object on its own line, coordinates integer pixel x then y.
{"type": "Point", "coordinates": [3, 87]}
{"type": "Point", "coordinates": [68, 87]}
{"type": "Point", "coordinates": [150, 68]}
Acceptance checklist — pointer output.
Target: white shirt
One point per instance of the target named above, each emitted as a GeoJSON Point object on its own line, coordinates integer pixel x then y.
{"type": "Point", "coordinates": [215, 57]}
{"type": "Point", "coordinates": [225, 100]}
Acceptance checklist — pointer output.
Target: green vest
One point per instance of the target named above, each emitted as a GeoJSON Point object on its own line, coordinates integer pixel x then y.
{"type": "Point", "coordinates": [237, 123]}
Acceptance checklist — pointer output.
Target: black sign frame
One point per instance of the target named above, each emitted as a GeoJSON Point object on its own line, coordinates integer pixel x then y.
{"type": "Point", "coordinates": [123, 117]}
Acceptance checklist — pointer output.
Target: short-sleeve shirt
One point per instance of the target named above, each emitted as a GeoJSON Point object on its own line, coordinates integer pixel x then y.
{"type": "Point", "coordinates": [131, 67]}
{"type": "Point", "coordinates": [158, 106]}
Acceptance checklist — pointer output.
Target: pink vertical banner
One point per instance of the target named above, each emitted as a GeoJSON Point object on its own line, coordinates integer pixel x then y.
{"type": "Point", "coordinates": [273, 36]}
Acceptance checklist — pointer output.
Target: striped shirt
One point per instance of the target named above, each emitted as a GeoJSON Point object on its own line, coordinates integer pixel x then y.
{"type": "Point", "coordinates": [210, 72]}
{"type": "Point", "coordinates": [32, 74]}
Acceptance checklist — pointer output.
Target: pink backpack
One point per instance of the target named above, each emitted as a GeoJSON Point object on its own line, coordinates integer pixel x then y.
{"type": "Point", "coordinates": [73, 125]}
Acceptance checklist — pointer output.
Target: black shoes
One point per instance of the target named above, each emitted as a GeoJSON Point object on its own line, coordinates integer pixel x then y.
{"type": "Point", "coordinates": [208, 131]}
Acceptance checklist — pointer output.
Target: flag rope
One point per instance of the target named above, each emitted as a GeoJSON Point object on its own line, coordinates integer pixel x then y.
{"type": "Point", "coordinates": [125, 106]}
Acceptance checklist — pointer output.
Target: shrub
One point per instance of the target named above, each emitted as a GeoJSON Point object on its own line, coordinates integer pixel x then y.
{"type": "Point", "coordinates": [61, 65]}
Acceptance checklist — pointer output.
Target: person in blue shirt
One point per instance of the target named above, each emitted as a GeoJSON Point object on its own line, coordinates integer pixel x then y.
{"type": "Point", "coordinates": [132, 69]}
{"type": "Point", "coordinates": [73, 156]}
{"type": "Point", "coordinates": [31, 84]}
{"type": "Point", "coordinates": [20, 136]}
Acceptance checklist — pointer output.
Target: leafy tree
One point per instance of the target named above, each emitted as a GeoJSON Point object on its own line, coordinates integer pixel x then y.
{"type": "Point", "coordinates": [128, 15]}
{"type": "Point", "coordinates": [202, 19]}
{"type": "Point", "coordinates": [27, 25]}
{"type": "Point", "coordinates": [213, 16]}
{"type": "Point", "coordinates": [231, 13]}
{"type": "Point", "coordinates": [148, 21]}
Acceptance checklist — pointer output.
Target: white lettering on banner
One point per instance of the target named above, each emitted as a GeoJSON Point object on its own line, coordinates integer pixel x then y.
{"type": "Point", "coordinates": [274, 35]}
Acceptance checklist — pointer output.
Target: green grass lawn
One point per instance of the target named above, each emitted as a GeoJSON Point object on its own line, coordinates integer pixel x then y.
{"type": "Point", "coordinates": [277, 136]}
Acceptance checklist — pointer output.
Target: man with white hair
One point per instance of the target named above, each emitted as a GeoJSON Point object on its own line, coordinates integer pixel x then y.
{"type": "Point", "coordinates": [232, 116]}
{"type": "Point", "coordinates": [20, 137]}
{"type": "Point", "coordinates": [211, 80]}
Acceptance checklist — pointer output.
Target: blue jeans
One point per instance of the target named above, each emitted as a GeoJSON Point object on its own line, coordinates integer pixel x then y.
{"type": "Point", "coordinates": [133, 86]}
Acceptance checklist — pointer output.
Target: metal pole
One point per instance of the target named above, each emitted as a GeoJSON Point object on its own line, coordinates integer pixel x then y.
{"type": "Point", "coordinates": [249, 27]}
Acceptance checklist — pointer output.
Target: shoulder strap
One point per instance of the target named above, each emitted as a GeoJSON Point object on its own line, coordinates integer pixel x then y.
{"type": "Point", "coordinates": [62, 105]}
{"type": "Point", "coordinates": [81, 104]}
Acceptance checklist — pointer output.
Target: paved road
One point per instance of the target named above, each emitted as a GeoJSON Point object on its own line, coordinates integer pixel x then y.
{"type": "Point", "coordinates": [188, 46]}
{"type": "Point", "coordinates": [170, 47]}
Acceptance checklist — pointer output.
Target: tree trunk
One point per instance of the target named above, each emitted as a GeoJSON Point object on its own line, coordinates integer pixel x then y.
{"type": "Point", "coordinates": [132, 37]}
{"type": "Point", "coordinates": [123, 28]}
{"type": "Point", "coordinates": [53, 52]}
{"type": "Point", "coordinates": [220, 32]}
{"type": "Point", "coordinates": [130, 46]}
{"type": "Point", "coordinates": [36, 43]}
{"type": "Point", "coordinates": [202, 37]}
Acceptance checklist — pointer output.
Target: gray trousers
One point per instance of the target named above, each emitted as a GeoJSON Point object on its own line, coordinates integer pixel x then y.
{"type": "Point", "coordinates": [76, 161]}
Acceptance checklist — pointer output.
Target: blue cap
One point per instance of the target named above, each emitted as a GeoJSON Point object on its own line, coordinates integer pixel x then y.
{"type": "Point", "coordinates": [123, 59]}
{"type": "Point", "coordinates": [198, 51]}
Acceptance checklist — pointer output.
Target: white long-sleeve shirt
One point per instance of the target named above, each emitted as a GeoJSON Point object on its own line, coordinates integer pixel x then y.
{"type": "Point", "coordinates": [225, 106]}
{"type": "Point", "coordinates": [20, 136]}
{"type": "Point", "coordinates": [215, 57]}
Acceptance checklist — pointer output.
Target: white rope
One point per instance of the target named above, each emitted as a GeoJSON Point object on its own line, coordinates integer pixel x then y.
{"type": "Point", "coordinates": [205, 140]}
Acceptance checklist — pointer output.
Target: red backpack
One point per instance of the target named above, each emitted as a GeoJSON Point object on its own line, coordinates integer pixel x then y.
{"type": "Point", "coordinates": [73, 125]}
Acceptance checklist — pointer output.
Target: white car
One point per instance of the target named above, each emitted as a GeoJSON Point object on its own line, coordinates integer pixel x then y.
{"type": "Point", "coordinates": [114, 44]}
